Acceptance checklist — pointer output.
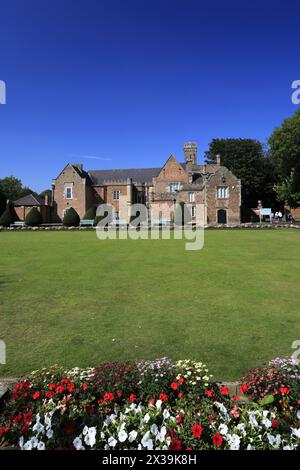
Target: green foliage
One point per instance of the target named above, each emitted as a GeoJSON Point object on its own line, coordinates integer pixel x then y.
{"type": "Point", "coordinates": [285, 152]}
{"type": "Point", "coordinates": [48, 193]}
{"type": "Point", "coordinates": [2, 202]}
{"type": "Point", "coordinates": [247, 160]}
{"type": "Point", "coordinates": [33, 217]}
{"type": "Point", "coordinates": [90, 214]}
{"type": "Point", "coordinates": [8, 217]}
{"type": "Point", "coordinates": [13, 189]}
{"type": "Point", "coordinates": [71, 218]}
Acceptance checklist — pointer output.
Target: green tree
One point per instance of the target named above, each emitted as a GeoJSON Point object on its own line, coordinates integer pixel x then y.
{"type": "Point", "coordinates": [247, 159]}
{"type": "Point", "coordinates": [13, 189]}
{"type": "Point", "coordinates": [90, 214]}
{"type": "Point", "coordinates": [8, 217]}
{"type": "Point", "coordinates": [33, 217]}
{"type": "Point", "coordinates": [47, 192]}
{"type": "Point", "coordinates": [2, 202]}
{"type": "Point", "coordinates": [71, 218]}
{"type": "Point", "coordinates": [284, 150]}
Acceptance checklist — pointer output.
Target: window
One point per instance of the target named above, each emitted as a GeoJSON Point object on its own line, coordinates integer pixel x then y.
{"type": "Point", "coordinates": [66, 210]}
{"type": "Point", "coordinates": [174, 187]}
{"type": "Point", "coordinates": [116, 195]}
{"type": "Point", "coordinates": [193, 211]}
{"type": "Point", "coordinates": [69, 192]}
{"type": "Point", "coordinates": [191, 197]}
{"type": "Point", "coordinates": [223, 192]}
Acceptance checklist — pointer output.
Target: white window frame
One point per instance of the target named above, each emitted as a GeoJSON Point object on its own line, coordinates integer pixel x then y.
{"type": "Point", "coordinates": [177, 184]}
{"type": "Point", "coordinates": [66, 192]}
{"type": "Point", "coordinates": [193, 211]}
{"type": "Point", "coordinates": [116, 192]}
{"type": "Point", "coordinates": [222, 192]}
{"type": "Point", "coordinates": [191, 197]}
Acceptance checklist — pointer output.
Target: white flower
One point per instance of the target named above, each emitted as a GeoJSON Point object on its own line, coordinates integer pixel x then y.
{"type": "Point", "coordinates": [122, 435]}
{"type": "Point", "coordinates": [241, 427]}
{"type": "Point", "coordinates": [252, 419]}
{"type": "Point", "coordinates": [85, 430]}
{"type": "Point", "coordinates": [147, 441]}
{"type": "Point", "coordinates": [162, 434]}
{"type": "Point", "coordinates": [132, 436]}
{"type": "Point", "coordinates": [146, 418]}
{"type": "Point", "coordinates": [27, 446]}
{"type": "Point", "coordinates": [77, 443]}
{"type": "Point", "coordinates": [49, 433]}
{"type": "Point", "coordinates": [154, 429]}
{"type": "Point", "coordinates": [296, 432]}
{"type": "Point", "coordinates": [233, 441]}
{"type": "Point", "coordinates": [34, 441]}
{"type": "Point", "coordinates": [266, 422]}
{"type": "Point", "coordinates": [90, 437]}
{"type": "Point", "coordinates": [158, 404]}
{"type": "Point", "coordinates": [274, 441]}
{"type": "Point", "coordinates": [112, 442]}
{"type": "Point", "coordinates": [38, 427]}
{"type": "Point", "coordinates": [41, 446]}
{"type": "Point", "coordinates": [21, 442]}
{"type": "Point", "coordinates": [249, 447]}
{"type": "Point", "coordinates": [166, 414]}
{"type": "Point", "coordinates": [223, 429]}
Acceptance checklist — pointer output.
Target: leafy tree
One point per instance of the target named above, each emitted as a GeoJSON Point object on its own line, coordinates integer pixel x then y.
{"type": "Point", "coordinates": [13, 189]}
{"type": "Point", "coordinates": [33, 217]}
{"type": "Point", "coordinates": [2, 202]}
{"type": "Point", "coordinates": [247, 159]}
{"type": "Point", "coordinates": [71, 218]}
{"type": "Point", "coordinates": [90, 213]}
{"type": "Point", "coordinates": [284, 150]}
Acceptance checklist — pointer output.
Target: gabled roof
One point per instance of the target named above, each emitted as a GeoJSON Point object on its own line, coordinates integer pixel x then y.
{"type": "Point", "coordinates": [138, 175]}
{"type": "Point", "coordinates": [29, 200]}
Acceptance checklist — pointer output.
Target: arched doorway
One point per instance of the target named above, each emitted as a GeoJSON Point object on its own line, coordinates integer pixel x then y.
{"type": "Point", "coordinates": [222, 216]}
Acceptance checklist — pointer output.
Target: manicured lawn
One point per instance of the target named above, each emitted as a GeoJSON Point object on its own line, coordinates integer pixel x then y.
{"type": "Point", "coordinates": [68, 298]}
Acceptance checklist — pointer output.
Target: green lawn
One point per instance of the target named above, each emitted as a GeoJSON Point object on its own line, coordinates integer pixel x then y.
{"type": "Point", "coordinates": [68, 298]}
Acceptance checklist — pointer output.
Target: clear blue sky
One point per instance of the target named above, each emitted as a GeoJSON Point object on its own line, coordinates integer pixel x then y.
{"type": "Point", "coordinates": [129, 81]}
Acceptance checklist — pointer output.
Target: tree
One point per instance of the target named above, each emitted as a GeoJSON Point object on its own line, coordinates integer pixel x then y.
{"type": "Point", "coordinates": [2, 202]}
{"type": "Point", "coordinates": [284, 150]}
{"type": "Point", "coordinates": [71, 218]}
{"type": "Point", "coordinates": [247, 159]}
{"type": "Point", "coordinates": [13, 189]}
{"type": "Point", "coordinates": [33, 217]}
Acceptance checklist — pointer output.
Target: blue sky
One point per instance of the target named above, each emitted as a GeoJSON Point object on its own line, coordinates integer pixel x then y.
{"type": "Point", "coordinates": [127, 82]}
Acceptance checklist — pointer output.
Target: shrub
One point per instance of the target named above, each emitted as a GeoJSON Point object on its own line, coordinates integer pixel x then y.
{"type": "Point", "coordinates": [71, 218]}
{"type": "Point", "coordinates": [8, 217]}
{"type": "Point", "coordinates": [90, 214]}
{"type": "Point", "coordinates": [98, 219]}
{"type": "Point", "coordinates": [33, 217]}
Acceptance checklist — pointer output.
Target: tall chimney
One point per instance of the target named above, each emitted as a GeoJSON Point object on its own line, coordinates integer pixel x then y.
{"type": "Point", "coordinates": [190, 153]}
{"type": "Point", "coordinates": [218, 160]}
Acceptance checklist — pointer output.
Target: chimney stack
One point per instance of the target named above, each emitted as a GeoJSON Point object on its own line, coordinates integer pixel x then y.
{"type": "Point", "coordinates": [190, 153]}
{"type": "Point", "coordinates": [79, 166]}
{"type": "Point", "coordinates": [46, 200]}
{"type": "Point", "coordinates": [218, 160]}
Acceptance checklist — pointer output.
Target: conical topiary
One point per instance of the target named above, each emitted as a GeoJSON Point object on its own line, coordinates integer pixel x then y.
{"type": "Point", "coordinates": [90, 214]}
{"type": "Point", "coordinates": [33, 217]}
{"type": "Point", "coordinates": [71, 218]}
{"type": "Point", "coordinates": [8, 217]}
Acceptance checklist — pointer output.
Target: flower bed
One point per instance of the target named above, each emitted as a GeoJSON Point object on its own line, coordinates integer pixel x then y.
{"type": "Point", "coordinates": [152, 405]}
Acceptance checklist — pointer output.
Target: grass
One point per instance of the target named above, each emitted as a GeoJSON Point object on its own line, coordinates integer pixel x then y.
{"type": "Point", "coordinates": [68, 298]}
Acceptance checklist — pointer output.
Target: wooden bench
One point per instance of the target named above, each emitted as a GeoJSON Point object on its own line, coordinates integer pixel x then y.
{"type": "Point", "coordinates": [18, 224]}
{"type": "Point", "coordinates": [89, 222]}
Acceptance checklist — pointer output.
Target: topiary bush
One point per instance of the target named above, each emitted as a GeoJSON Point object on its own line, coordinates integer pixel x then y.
{"type": "Point", "coordinates": [71, 218]}
{"type": "Point", "coordinates": [90, 214]}
{"type": "Point", "coordinates": [33, 217]}
{"type": "Point", "coordinates": [98, 219]}
{"type": "Point", "coordinates": [8, 217]}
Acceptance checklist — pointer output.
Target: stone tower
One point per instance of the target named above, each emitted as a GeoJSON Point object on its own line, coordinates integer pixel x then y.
{"type": "Point", "coordinates": [190, 153]}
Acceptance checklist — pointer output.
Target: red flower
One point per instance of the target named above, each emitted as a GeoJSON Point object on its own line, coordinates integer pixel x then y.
{"type": "Point", "coordinates": [49, 394]}
{"type": "Point", "coordinates": [175, 445]}
{"type": "Point", "coordinates": [69, 428]}
{"type": "Point", "coordinates": [275, 423]}
{"type": "Point", "coordinates": [52, 386]}
{"type": "Point", "coordinates": [174, 385]}
{"type": "Point", "coordinates": [181, 380]}
{"type": "Point", "coordinates": [244, 388]}
{"type": "Point", "coordinates": [189, 448]}
{"type": "Point", "coordinates": [236, 397]}
{"type": "Point", "coordinates": [298, 401]}
{"type": "Point", "coordinates": [197, 430]}
{"type": "Point", "coordinates": [60, 389]}
{"type": "Point", "coordinates": [217, 440]}
{"type": "Point", "coordinates": [132, 397]}
{"type": "Point", "coordinates": [64, 381]}
{"type": "Point", "coordinates": [71, 387]}
{"type": "Point", "coordinates": [84, 387]}
{"type": "Point", "coordinates": [152, 401]}
{"type": "Point", "coordinates": [179, 417]}
{"type": "Point", "coordinates": [163, 397]}
{"type": "Point", "coordinates": [209, 393]}
{"type": "Point", "coordinates": [119, 394]}
{"type": "Point", "coordinates": [180, 394]}
{"type": "Point", "coordinates": [108, 396]}
{"type": "Point", "coordinates": [36, 395]}
{"type": "Point", "coordinates": [225, 390]}
{"type": "Point", "coordinates": [284, 391]}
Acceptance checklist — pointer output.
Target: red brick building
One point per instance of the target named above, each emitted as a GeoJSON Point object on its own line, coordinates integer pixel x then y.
{"type": "Point", "coordinates": [24, 205]}
{"type": "Point", "coordinates": [212, 188]}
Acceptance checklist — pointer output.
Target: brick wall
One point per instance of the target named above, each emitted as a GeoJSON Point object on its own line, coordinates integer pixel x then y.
{"type": "Point", "coordinates": [231, 205]}
{"type": "Point", "coordinates": [70, 177]}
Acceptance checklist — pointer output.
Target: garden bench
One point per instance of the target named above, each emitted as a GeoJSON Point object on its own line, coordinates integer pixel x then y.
{"type": "Point", "coordinates": [163, 222]}
{"type": "Point", "coordinates": [87, 222]}
{"type": "Point", "coordinates": [18, 224]}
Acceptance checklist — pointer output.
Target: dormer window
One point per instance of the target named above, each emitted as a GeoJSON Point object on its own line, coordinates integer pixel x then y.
{"type": "Point", "coordinates": [175, 187]}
